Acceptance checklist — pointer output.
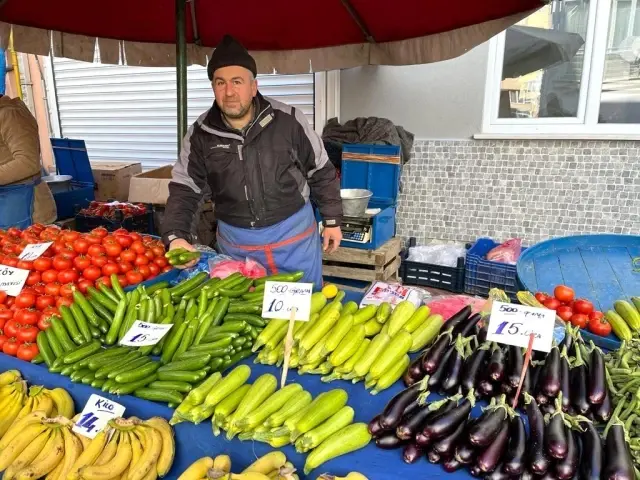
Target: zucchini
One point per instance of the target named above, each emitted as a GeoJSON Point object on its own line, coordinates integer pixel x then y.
{"type": "Point", "coordinates": [629, 313]}
{"type": "Point", "coordinates": [228, 405]}
{"type": "Point", "coordinates": [323, 407]}
{"type": "Point", "coordinates": [260, 391]}
{"type": "Point", "coordinates": [295, 404]}
{"type": "Point", "coordinates": [270, 406]}
{"type": "Point", "coordinates": [364, 314]}
{"type": "Point", "coordinates": [318, 301]}
{"type": "Point", "coordinates": [426, 333]}
{"type": "Point", "coordinates": [383, 313]}
{"type": "Point", "coordinates": [394, 351]}
{"type": "Point", "coordinates": [619, 326]}
{"type": "Point", "coordinates": [417, 319]}
{"type": "Point", "coordinates": [198, 394]}
{"type": "Point", "coordinates": [392, 375]}
{"type": "Point", "coordinates": [349, 307]}
{"type": "Point", "coordinates": [317, 435]}
{"type": "Point", "coordinates": [372, 327]}
{"type": "Point", "coordinates": [400, 316]}
{"type": "Point", "coordinates": [346, 440]}
{"type": "Point", "coordinates": [237, 377]}
{"type": "Point", "coordinates": [318, 330]}
{"type": "Point", "coordinates": [376, 347]}
{"type": "Point", "coordinates": [344, 325]}
{"type": "Point", "coordinates": [348, 346]}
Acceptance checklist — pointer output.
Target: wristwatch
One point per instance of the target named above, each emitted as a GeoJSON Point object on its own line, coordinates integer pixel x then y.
{"type": "Point", "coordinates": [169, 237]}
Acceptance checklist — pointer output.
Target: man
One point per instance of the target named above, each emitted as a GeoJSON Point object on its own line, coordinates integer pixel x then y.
{"type": "Point", "coordinates": [24, 199]}
{"type": "Point", "coordinates": [262, 162]}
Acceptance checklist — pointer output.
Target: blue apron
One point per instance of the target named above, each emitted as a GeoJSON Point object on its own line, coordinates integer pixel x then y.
{"type": "Point", "coordinates": [16, 205]}
{"type": "Point", "coordinates": [291, 245]}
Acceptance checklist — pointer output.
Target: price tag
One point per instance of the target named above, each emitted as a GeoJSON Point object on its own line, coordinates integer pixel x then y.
{"type": "Point", "coordinates": [281, 297]}
{"type": "Point", "coordinates": [96, 414]}
{"type": "Point", "coordinates": [142, 334]}
{"type": "Point", "coordinates": [513, 324]}
{"type": "Point", "coordinates": [12, 279]}
{"type": "Point", "coordinates": [33, 251]}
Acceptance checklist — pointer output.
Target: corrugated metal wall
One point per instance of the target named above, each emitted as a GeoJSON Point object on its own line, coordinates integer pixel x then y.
{"type": "Point", "coordinates": [129, 113]}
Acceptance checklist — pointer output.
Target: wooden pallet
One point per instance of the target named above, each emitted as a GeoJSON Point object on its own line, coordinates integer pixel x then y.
{"type": "Point", "coordinates": [365, 265]}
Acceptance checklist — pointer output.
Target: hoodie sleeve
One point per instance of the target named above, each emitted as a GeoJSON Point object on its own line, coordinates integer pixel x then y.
{"type": "Point", "coordinates": [19, 132]}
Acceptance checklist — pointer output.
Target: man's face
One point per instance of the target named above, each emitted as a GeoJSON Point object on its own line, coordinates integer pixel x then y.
{"type": "Point", "coordinates": [234, 88]}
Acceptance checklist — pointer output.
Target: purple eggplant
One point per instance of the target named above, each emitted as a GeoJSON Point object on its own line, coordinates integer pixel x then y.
{"type": "Point", "coordinates": [467, 327]}
{"type": "Point", "coordinates": [465, 453]}
{"type": "Point", "coordinates": [483, 332]}
{"type": "Point", "coordinates": [412, 453]}
{"type": "Point", "coordinates": [432, 357]}
{"type": "Point", "coordinates": [555, 437]}
{"type": "Point", "coordinates": [486, 428]}
{"type": "Point", "coordinates": [527, 475]}
{"type": "Point", "coordinates": [565, 381]}
{"type": "Point", "coordinates": [447, 422]}
{"type": "Point", "coordinates": [514, 456]}
{"type": "Point", "coordinates": [568, 342]}
{"type": "Point", "coordinates": [449, 385]}
{"type": "Point", "coordinates": [375, 429]}
{"type": "Point", "coordinates": [618, 464]}
{"type": "Point", "coordinates": [389, 441]}
{"type": "Point", "coordinates": [537, 460]}
{"type": "Point", "coordinates": [475, 471]}
{"type": "Point", "coordinates": [547, 409]}
{"type": "Point", "coordinates": [414, 372]}
{"type": "Point", "coordinates": [542, 399]}
{"type": "Point", "coordinates": [411, 423]}
{"type": "Point", "coordinates": [412, 407]}
{"type": "Point", "coordinates": [515, 363]}
{"type": "Point", "coordinates": [597, 386]}
{"type": "Point", "coordinates": [497, 365]}
{"type": "Point", "coordinates": [437, 377]}
{"type": "Point", "coordinates": [392, 413]}
{"type": "Point", "coordinates": [453, 323]}
{"type": "Point", "coordinates": [603, 411]}
{"type": "Point", "coordinates": [591, 460]}
{"type": "Point", "coordinates": [578, 393]}
{"type": "Point", "coordinates": [549, 380]}
{"type": "Point", "coordinates": [451, 465]}
{"type": "Point", "coordinates": [567, 468]}
{"type": "Point", "coordinates": [488, 459]}
{"type": "Point", "coordinates": [447, 446]}
{"type": "Point", "coordinates": [472, 367]}
{"type": "Point", "coordinates": [433, 456]}
{"type": "Point", "coordinates": [498, 474]}
{"type": "Point", "coordinates": [507, 389]}
{"type": "Point", "coordinates": [486, 388]}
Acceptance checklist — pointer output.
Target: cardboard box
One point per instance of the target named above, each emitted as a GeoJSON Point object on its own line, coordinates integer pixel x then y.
{"type": "Point", "coordinates": [151, 186]}
{"type": "Point", "coordinates": [112, 179]}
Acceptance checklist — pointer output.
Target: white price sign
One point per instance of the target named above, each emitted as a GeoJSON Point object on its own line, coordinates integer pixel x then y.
{"type": "Point", "coordinates": [33, 251]}
{"type": "Point", "coordinates": [513, 324]}
{"type": "Point", "coordinates": [12, 279]}
{"type": "Point", "coordinates": [142, 334]}
{"type": "Point", "coordinates": [96, 414]}
{"type": "Point", "coordinates": [281, 297]}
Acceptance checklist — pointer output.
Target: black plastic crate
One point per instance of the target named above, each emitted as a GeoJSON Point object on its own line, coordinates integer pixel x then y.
{"type": "Point", "coordinates": [140, 223]}
{"type": "Point", "coordinates": [450, 279]}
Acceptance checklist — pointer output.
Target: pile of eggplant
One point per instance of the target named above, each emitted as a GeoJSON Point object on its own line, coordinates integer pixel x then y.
{"type": "Point", "coordinates": [495, 445]}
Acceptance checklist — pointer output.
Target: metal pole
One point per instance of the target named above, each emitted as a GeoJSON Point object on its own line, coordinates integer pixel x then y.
{"type": "Point", "coordinates": [181, 70]}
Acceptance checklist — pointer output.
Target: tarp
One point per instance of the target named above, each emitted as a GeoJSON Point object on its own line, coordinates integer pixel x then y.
{"type": "Point", "coordinates": [285, 36]}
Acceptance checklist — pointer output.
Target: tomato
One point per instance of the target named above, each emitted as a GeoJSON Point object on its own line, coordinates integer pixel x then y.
{"type": "Point", "coordinates": [33, 278]}
{"type": "Point", "coordinates": [10, 347]}
{"type": "Point", "coordinates": [124, 240]}
{"type": "Point", "coordinates": [81, 262]}
{"type": "Point", "coordinates": [45, 319]}
{"type": "Point", "coordinates": [81, 245]}
{"type": "Point", "coordinates": [61, 263]}
{"type": "Point", "coordinates": [25, 300]}
{"type": "Point", "coordinates": [11, 328]}
{"type": "Point", "coordinates": [66, 290]}
{"type": "Point", "coordinates": [84, 284]}
{"type": "Point", "coordinates": [45, 301]}
{"type": "Point", "coordinates": [154, 269]}
{"type": "Point", "coordinates": [598, 325]}
{"type": "Point", "coordinates": [133, 277]}
{"type": "Point", "coordinates": [66, 301]}
{"type": "Point", "coordinates": [6, 315]}
{"type": "Point", "coordinates": [100, 261]}
{"type": "Point", "coordinates": [50, 276]}
{"type": "Point", "coordinates": [564, 293]}
{"type": "Point", "coordinates": [14, 232]}
{"type": "Point", "coordinates": [3, 296]}
{"type": "Point", "coordinates": [68, 276]}
{"type": "Point", "coordinates": [160, 262]}
{"type": "Point", "coordinates": [552, 303]}
{"type": "Point", "coordinates": [583, 306]}
{"type": "Point", "coordinates": [68, 254]}
{"type": "Point", "coordinates": [110, 268]}
{"type": "Point", "coordinates": [100, 232]}
{"type": "Point", "coordinates": [70, 235]}
{"type": "Point", "coordinates": [125, 267]}
{"type": "Point", "coordinates": [27, 333]}
{"type": "Point", "coordinates": [138, 247]}
{"type": "Point", "coordinates": [39, 288]}
{"type": "Point", "coordinates": [579, 320]}
{"type": "Point", "coordinates": [11, 261]}
{"type": "Point", "coordinates": [3, 339]}
{"type": "Point", "coordinates": [141, 260]}
{"type": "Point", "coordinates": [113, 249]}
{"type": "Point", "coordinates": [596, 315]}
{"type": "Point", "coordinates": [25, 265]}
{"type": "Point", "coordinates": [144, 270]}
{"type": "Point", "coordinates": [166, 269]}
{"type": "Point", "coordinates": [158, 251]}
{"type": "Point", "coordinates": [92, 273]}
{"type": "Point", "coordinates": [122, 280]}
{"type": "Point", "coordinates": [96, 251]}
{"type": "Point", "coordinates": [564, 312]}
{"type": "Point", "coordinates": [27, 351]}
{"type": "Point", "coordinates": [106, 280]}
{"type": "Point", "coordinates": [27, 316]}
{"type": "Point", "coordinates": [135, 236]}
{"type": "Point", "coordinates": [93, 239]}
{"type": "Point", "coordinates": [128, 256]}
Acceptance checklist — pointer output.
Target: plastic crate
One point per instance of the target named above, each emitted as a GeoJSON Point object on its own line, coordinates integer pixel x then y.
{"type": "Point", "coordinates": [139, 223]}
{"type": "Point", "coordinates": [482, 275]}
{"type": "Point", "coordinates": [450, 279]}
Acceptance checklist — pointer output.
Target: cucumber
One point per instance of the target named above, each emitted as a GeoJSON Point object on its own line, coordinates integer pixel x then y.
{"type": "Point", "coordinates": [59, 330]}
{"type": "Point", "coordinates": [156, 395]}
{"type": "Point", "coordinates": [54, 343]}
{"type": "Point", "coordinates": [138, 374]}
{"type": "Point", "coordinates": [137, 362]}
{"type": "Point", "coordinates": [45, 348]}
{"type": "Point", "coordinates": [253, 320]}
{"type": "Point", "coordinates": [182, 376]}
{"type": "Point", "coordinates": [81, 321]}
{"type": "Point", "coordinates": [82, 352]}
{"type": "Point", "coordinates": [182, 387]}
{"type": "Point", "coordinates": [105, 365]}
{"type": "Point", "coordinates": [129, 388]}
{"type": "Point", "coordinates": [71, 326]}
{"type": "Point", "coordinates": [189, 365]}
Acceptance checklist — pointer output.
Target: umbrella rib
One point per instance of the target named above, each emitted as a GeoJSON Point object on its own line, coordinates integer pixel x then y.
{"type": "Point", "coordinates": [194, 23]}
{"type": "Point", "coordinates": [359, 21]}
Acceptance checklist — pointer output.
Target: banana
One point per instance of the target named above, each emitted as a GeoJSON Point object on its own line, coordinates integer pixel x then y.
{"type": "Point", "coordinates": [8, 377]}
{"type": "Point", "coordinates": [222, 463]}
{"type": "Point", "coordinates": [109, 451]}
{"type": "Point", "coordinates": [17, 427]}
{"type": "Point", "coordinates": [198, 469]}
{"type": "Point", "coordinates": [55, 473]}
{"type": "Point", "coordinates": [114, 467]}
{"type": "Point", "coordinates": [10, 412]}
{"type": "Point", "coordinates": [152, 447]}
{"type": "Point", "coordinates": [27, 408]}
{"type": "Point", "coordinates": [19, 443]}
{"type": "Point", "coordinates": [72, 450]}
{"type": "Point", "coordinates": [90, 454]}
{"type": "Point", "coordinates": [267, 463]}
{"type": "Point", "coordinates": [165, 460]}
{"type": "Point", "coordinates": [28, 455]}
{"type": "Point", "coordinates": [43, 402]}
{"type": "Point", "coordinates": [136, 450]}
{"type": "Point", "coordinates": [153, 473]}
{"type": "Point", "coordinates": [84, 441]}
{"type": "Point", "coordinates": [48, 459]}
{"type": "Point", "coordinates": [63, 401]}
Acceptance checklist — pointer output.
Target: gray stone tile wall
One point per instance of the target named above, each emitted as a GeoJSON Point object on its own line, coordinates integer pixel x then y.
{"type": "Point", "coordinates": [464, 189]}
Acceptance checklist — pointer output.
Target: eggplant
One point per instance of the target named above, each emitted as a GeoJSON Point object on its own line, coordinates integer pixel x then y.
{"type": "Point", "coordinates": [547, 409]}
{"type": "Point", "coordinates": [526, 383]}
{"type": "Point", "coordinates": [467, 327]}
{"type": "Point", "coordinates": [487, 427]}
{"type": "Point", "coordinates": [445, 423]}
{"type": "Point", "coordinates": [497, 365]}
{"type": "Point", "coordinates": [603, 411]}
{"type": "Point", "coordinates": [498, 474]}
{"type": "Point", "coordinates": [453, 323]}
{"type": "Point", "coordinates": [618, 464]}
{"type": "Point", "coordinates": [392, 413]}
{"type": "Point", "coordinates": [447, 446]}
{"type": "Point", "coordinates": [537, 460]}
{"type": "Point", "coordinates": [597, 389]}
{"type": "Point", "coordinates": [488, 460]}
{"type": "Point", "coordinates": [412, 407]}
{"type": "Point", "coordinates": [569, 342]}
{"type": "Point", "coordinates": [411, 423]}
{"type": "Point", "coordinates": [527, 475]}
{"type": "Point", "coordinates": [483, 332]}
{"type": "Point", "coordinates": [475, 471]}
{"type": "Point", "coordinates": [507, 389]}
{"type": "Point", "coordinates": [591, 459]}
{"type": "Point", "coordinates": [437, 377]}
{"type": "Point", "coordinates": [450, 465]}
{"type": "Point", "coordinates": [411, 453]}
{"type": "Point", "coordinates": [414, 372]}
{"type": "Point", "coordinates": [565, 381]}
{"type": "Point", "coordinates": [375, 429]}
{"type": "Point", "coordinates": [567, 468]}
{"type": "Point", "coordinates": [472, 367]}
{"type": "Point", "coordinates": [389, 441]}
{"type": "Point", "coordinates": [514, 457]}
{"type": "Point", "coordinates": [465, 453]}
{"type": "Point", "coordinates": [449, 385]}
{"type": "Point", "coordinates": [542, 399]}
{"type": "Point", "coordinates": [579, 389]}
{"type": "Point", "coordinates": [549, 381]}
{"type": "Point", "coordinates": [555, 437]}
{"type": "Point", "coordinates": [535, 375]}
{"type": "Point", "coordinates": [515, 363]}
{"type": "Point", "coordinates": [486, 388]}
{"type": "Point", "coordinates": [432, 357]}
{"type": "Point", "coordinates": [433, 456]}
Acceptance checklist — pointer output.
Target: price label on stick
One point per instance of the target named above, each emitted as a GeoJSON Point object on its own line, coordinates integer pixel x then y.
{"type": "Point", "coordinates": [96, 414]}
{"type": "Point", "coordinates": [142, 334]}
{"type": "Point", "coordinates": [33, 251]}
{"type": "Point", "coordinates": [12, 279]}
{"type": "Point", "coordinates": [512, 324]}
{"type": "Point", "coordinates": [281, 297]}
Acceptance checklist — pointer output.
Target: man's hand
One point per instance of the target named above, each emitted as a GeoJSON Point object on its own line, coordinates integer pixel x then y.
{"type": "Point", "coordinates": [182, 243]}
{"type": "Point", "coordinates": [331, 239]}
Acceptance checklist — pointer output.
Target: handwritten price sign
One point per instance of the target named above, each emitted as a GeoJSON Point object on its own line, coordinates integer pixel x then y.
{"type": "Point", "coordinates": [33, 251]}
{"type": "Point", "coordinates": [96, 414]}
{"type": "Point", "coordinates": [281, 297]}
{"type": "Point", "coordinates": [142, 334]}
{"type": "Point", "coordinates": [12, 279]}
{"type": "Point", "coordinates": [513, 324]}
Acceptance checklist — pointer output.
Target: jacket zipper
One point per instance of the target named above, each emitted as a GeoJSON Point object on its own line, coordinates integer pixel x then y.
{"type": "Point", "coordinates": [246, 190]}
{"type": "Point", "coordinates": [260, 185]}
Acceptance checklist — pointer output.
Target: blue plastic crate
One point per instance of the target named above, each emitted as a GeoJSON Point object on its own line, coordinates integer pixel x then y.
{"type": "Point", "coordinates": [482, 275]}
{"type": "Point", "coordinates": [72, 159]}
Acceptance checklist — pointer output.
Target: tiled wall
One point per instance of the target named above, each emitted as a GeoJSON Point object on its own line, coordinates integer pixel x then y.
{"type": "Point", "coordinates": [464, 189]}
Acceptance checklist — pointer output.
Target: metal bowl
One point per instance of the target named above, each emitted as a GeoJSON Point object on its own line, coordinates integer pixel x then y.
{"type": "Point", "coordinates": [355, 201]}
{"type": "Point", "coordinates": [58, 183]}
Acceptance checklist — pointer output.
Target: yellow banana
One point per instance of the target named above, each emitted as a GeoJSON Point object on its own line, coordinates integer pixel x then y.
{"type": "Point", "coordinates": [84, 441]}
{"type": "Point", "coordinates": [168, 444]}
{"type": "Point", "coordinates": [7, 390]}
{"type": "Point", "coordinates": [8, 377]}
{"type": "Point", "coordinates": [153, 472]}
{"type": "Point", "coordinates": [109, 450]}
{"type": "Point", "coordinates": [267, 463]}
{"type": "Point", "coordinates": [152, 447]}
{"type": "Point", "coordinates": [136, 450]}
{"type": "Point", "coordinates": [63, 401]}
{"type": "Point", "coordinates": [17, 427]}
{"type": "Point", "coordinates": [222, 463]}
{"type": "Point", "coordinates": [55, 473]}
{"type": "Point", "coordinates": [114, 467]}
{"type": "Point", "coordinates": [72, 450]}
{"type": "Point", "coordinates": [19, 443]}
{"type": "Point", "coordinates": [43, 402]}
{"type": "Point", "coordinates": [48, 459]}
{"type": "Point", "coordinates": [90, 454]}
{"type": "Point", "coordinates": [28, 455]}
{"type": "Point", "coordinates": [27, 408]}
{"type": "Point", "coordinates": [197, 470]}
{"type": "Point", "coordinates": [10, 412]}
{"type": "Point", "coordinates": [249, 476]}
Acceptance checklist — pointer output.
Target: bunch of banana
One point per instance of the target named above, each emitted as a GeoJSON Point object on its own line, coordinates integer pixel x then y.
{"type": "Point", "coordinates": [272, 466]}
{"type": "Point", "coordinates": [350, 476]}
{"type": "Point", "coordinates": [36, 446]}
{"type": "Point", "coordinates": [13, 392]}
{"type": "Point", "coordinates": [127, 449]}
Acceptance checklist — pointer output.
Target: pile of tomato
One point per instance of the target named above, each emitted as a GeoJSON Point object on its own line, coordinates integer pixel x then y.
{"type": "Point", "coordinates": [74, 261]}
{"type": "Point", "coordinates": [579, 312]}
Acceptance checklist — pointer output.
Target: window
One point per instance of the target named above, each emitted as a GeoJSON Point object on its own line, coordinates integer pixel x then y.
{"type": "Point", "coordinates": [571, 69]}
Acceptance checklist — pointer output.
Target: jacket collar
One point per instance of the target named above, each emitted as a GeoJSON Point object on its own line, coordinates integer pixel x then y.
{"type": "Point", "coordinates": [262, 108]}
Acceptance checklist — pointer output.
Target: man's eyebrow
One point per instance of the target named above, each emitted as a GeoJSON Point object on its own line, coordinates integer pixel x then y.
{"type": "Point", "coordinates": [233, 78]}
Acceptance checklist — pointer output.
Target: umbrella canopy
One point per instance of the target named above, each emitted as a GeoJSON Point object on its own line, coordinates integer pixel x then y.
{"type": "Point", "coordinates": [286, 36]}
{"type": "Point", "coordinates": [529, 49]}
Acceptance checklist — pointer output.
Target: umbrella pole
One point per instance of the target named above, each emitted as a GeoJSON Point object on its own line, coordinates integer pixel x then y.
{"type": "Point", "coordinates": [181, 70]}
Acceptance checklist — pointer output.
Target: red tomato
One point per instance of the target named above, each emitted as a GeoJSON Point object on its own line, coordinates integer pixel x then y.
{"type": "Point", "coordinates": [11, 328]}
{"type": "Point", "coordinates": [27, 333]}
{"type": "Point", "coordinates": [92, 273]}
{"type": "Point", "coordinates": [10, 347]}
{"type": "Point", "coordinates": [11, 261]}
{"type": "Point", "coordinates": [100, 232]}
{"type": "Point", "coordinates": [113, 249]}
{"type": "Point", "coordinates": [96, 250]}
{"type": "Point", "coordinates": [158, 250]}
{"type": "Point", "coordinates": [66, 290]}
{"type": "Point", "coordinates": [93, 239]}
{"type": "Point", "coordinates": [45, 319]}
{"type": "Point", "coordinates": [564, 312]}
{"type": "Point", "coordinates": [128, 256]}
{"type": "Point", "coordinates": [81, 245]}
{"type": "Point", "coordinates": [84, 284]}
{"type": "Point", "coordinates": [144, 270]}
{"type": "Point", "coordinates": [579, 320]}
{"type": "Point", "coordinates": [564, 293]}
{"type": "Point", "coordinates": [25, 300]}
{"type": "Point", "coordinates": [27, 351]}
{"type": "Point", "coordinates": [100, 261]}
{"type": "Point", "coordinates": [68, 276]}
{"type": "Point", "coordinates": [33, 278]}
{"type": "Point", "coordinates": [81, 262]}
{"type": "Point", "coordinates": [125, 267]}
{"type": "Point", "coordinates": [52, 289]}
{"type": "Point", "coordinates": [124, 240]}
{"type": "Point", "coordinates": [39, 288]}
{"type": "Point", "coordinates": [50, 276]}
{"type": "Point", "coordinates": [27, 316]}
{"type": "Point", "coordinates": [3, 339]}
{"type": "Point", "coordinates": [596, 315]}
{"type": "Point", "coordinates": [6, 315]}
{"type": "Point", "coordinates": [67, 302]}
{"type": "Point", "coordinates": [133, 277]}
{"type": "Point", "coordinates": [138, 247]}
{"type": "Point", "coordinates": [121, 231]}
{"type": "Point", "coordinates": [149, 254]}
{"type": "Point", "coordinates": [552, 303]}
{"type": "Point", "coordinates": [68, 254]}
{"type": "Point", "coordinates": [583, 306]}
{"type": "Point", "coordinates": [154, 269]}
{"type": "Point", "coordinates": [106, 280]}
{"type": "Point", "coordinates": [160, 261]}
{"type": "Point", "coordinates": [61, 263]}
{"type": "Point", "coordinates": [122, 280]}
{"type": "Point", "coordinates": [598, 324]}
{"type": "Point", "coordinates": [3, 296]}
{"type": "Point", "coordinates": [25, 265]}
{"type": "Point", "coordinates": [45, 301]}
{"type": "Point", "coordinates": [70, 235]}
{"type": "Point", "coordinates": [110, 268]}
{"type": "Point", "coordinates": [135, 236]}
{"type": "Point", "coordinates": [141, 260]}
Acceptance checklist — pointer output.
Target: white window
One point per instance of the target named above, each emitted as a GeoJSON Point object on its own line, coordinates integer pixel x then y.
{"type": "Point", "coordinates": [569, 70]}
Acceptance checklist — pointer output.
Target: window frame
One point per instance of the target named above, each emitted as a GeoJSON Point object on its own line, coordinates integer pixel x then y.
{"type": "Point", "coordinates": [585, 125]}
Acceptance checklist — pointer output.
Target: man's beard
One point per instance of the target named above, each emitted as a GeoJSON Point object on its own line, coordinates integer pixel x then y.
{"type": "Point", "coordinates": [237, 114]}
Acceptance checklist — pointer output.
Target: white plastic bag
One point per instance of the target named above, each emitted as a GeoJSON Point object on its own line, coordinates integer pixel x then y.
{"type": "Point", "coordinates": [443, 255]}
{"type": "Point", "coordinates": [381, 292]}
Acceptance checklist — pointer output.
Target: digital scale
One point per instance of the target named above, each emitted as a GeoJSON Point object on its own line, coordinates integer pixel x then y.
{"type": "Point", "coordinates": [356, 229]}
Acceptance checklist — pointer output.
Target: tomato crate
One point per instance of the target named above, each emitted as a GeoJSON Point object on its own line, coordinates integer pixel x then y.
{"type": "Point", "coordinates": [431, 275]}
{"type": "Point", "coordinates": [139, 223]}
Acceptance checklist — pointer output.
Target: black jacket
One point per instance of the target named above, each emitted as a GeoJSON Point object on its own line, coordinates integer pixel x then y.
{"type": "Point", "coordinates": [257, 178]}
